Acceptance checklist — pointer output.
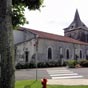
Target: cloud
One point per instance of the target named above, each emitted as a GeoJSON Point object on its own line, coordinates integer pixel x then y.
{"type": "Point", "coordinates": [56, 15]}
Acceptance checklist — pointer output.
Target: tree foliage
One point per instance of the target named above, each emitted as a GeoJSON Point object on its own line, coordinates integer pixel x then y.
{"type": "Point", "coordinates": [18, 8]}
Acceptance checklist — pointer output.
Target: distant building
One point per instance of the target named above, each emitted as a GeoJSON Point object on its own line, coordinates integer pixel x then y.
{"type": "Point", "coordinates": [51, 47]}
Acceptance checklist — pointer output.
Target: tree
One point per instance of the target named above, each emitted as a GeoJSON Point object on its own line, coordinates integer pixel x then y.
{"type": "Point", "coordinates": [19, 8]}
{"type": "Point", "coordinates": [11, 12]}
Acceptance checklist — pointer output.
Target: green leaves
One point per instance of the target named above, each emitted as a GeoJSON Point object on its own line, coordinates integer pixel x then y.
{"type": "Point", "coordinates": [18, 8]}
{"type": "Point", "coordinates": [18, 17]}
{"type": "Point", "coordinates": [33, 4]}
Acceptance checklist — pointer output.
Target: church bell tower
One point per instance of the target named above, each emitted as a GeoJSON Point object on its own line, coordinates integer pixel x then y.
{"type": "Point", "coordinates": [77, 29]}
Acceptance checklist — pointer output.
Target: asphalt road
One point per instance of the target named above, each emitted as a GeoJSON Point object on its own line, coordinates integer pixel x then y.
{"type": "Point", "coordinates": [27, 74]}
{"type": "Point", "coordinates": [81, 71]}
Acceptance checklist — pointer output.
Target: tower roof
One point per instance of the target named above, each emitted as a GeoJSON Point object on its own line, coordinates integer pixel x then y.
{"type": "Point", "coordinates": [76, 23]}
{"type": "Point", "coordinates": [76, 16]}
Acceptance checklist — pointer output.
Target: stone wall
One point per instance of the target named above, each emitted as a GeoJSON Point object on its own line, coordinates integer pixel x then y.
{"type": "Point", "coordinates": [78, 34]}
{"type": "Point", "coordinates": [44, 44]}
{"type": "Point", "coordinates": [22, 48]}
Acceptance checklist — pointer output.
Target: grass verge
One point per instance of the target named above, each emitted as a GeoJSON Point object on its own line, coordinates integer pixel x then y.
{"type": "Point", "coordinates": [37, 84]}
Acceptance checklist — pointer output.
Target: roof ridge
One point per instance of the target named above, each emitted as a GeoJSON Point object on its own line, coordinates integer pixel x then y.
{"type": "Point", "coordinates": [40, 31]}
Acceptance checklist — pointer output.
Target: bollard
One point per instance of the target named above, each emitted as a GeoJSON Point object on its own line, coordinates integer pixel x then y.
{"type": "Point", "coordinates": [44, 83]}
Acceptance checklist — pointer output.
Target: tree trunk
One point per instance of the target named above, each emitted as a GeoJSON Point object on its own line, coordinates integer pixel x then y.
{"type": "Point", "coordinates": [6, 46]}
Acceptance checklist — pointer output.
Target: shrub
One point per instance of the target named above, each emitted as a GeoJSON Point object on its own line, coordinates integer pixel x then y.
{"type": "Point", "coordinates": [54, 63]}
{"type": "Point", "coordinates": [83, 63]}
{"type": "Point", "coordinates": [25, 65]}
{"type": "Point", "coordinates": [64, 63]}
{"type": "Point", "coordinates": [19, 66]}
{"type": "Point", "coordinates": [71, 63]}
{"type": "Point", "coordinates": [32, 65]}
{"type": "Point", "coordinates": [48, 64]}
{"type": "Point", "coordinates": [42, 64]}
{"type": "Point", "coordinates": [51, 63]}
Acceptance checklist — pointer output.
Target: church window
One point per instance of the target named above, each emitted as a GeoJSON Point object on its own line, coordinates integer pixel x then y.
{"type": "Point", "coordinates": [26, 56]}
{"type": "Point", "coordinates": [80, 54]}
{"type": "Point", "coordinates": [49, 53]}
{"type": "Point", "coordinates": [87, 54]}
{"type": "Point", "coordinates": [67, 54]}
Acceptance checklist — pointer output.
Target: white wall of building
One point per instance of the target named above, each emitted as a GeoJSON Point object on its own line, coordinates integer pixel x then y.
{"type": "Point", "coordinates": [21, 48]}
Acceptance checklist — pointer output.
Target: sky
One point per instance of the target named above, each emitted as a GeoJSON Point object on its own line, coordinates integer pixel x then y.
{"type": "Point", "coordinates": [56, 15]}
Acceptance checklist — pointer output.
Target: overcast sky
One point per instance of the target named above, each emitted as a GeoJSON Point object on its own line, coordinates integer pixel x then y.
{"type": "Point", "coordinates": [57, 15]}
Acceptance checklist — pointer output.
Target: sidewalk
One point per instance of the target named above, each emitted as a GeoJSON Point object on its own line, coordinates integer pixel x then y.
{"type": "Point", "coordinates": [68, 82]}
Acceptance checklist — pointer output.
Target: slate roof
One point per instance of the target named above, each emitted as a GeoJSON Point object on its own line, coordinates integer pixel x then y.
{"type": "Point", "coordinates": [55, 37]}
{"type": "Point", "coordinates": [76, 23]}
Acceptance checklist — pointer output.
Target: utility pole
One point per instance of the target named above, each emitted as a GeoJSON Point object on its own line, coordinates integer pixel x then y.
{"type": "Point", "coordinates": [36, 56]}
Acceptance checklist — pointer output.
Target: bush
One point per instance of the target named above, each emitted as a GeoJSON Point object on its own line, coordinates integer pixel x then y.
{"type": "Point", "coordinates": [42, 64]}
{"type": "Point", "coordinates": [49, 64]}
{"type": "Point", "coordinates": [64, 63]}
{"type": "Point", "coordinates": [83, 63]}
{"type": "Point", "coordinates": [32, 65]}
{"type": "Point", "coordinates": [71, 63]}
{"type": "Point", "coordinates": [25, 65]}
{"type": "Point", "coordinates": [19, 66]}
{"type": "Point", "coordinates": [78, 63]}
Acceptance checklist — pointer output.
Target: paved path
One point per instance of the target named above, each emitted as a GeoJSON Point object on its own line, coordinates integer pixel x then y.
{"type": "Point", "coordinates": [68, 82]}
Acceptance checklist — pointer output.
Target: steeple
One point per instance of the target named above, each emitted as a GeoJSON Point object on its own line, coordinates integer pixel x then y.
{"type": "Point", "coordinates": [76, 18]}
{"type": "Point", "coordinates": [76, 23]}
{"type": "Point", "coordinates": [77, 29]}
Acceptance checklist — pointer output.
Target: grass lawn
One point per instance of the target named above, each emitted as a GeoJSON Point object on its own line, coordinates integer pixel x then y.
{"type": "Point", "coordinates": [37, 84]}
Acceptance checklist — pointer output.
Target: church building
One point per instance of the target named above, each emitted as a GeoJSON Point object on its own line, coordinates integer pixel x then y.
{"type": "Point", "coordinates": [32, 45]}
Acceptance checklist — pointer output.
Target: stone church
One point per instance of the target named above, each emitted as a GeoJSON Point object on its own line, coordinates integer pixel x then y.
{"type": "Point", "coordinates": [32, 45]}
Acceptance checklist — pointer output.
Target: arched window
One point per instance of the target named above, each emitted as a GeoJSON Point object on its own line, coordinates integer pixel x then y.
{"type": "Point", "coordinates": [26, 56]}
{"type": "Point", "coordinates": [87, 54]}
{"type": "Point", "coordinates": [67, 54]}
{"type": "Point", "coordinates": [49, 53]}
{"type": "Point", "coordinates": [80, 54]}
